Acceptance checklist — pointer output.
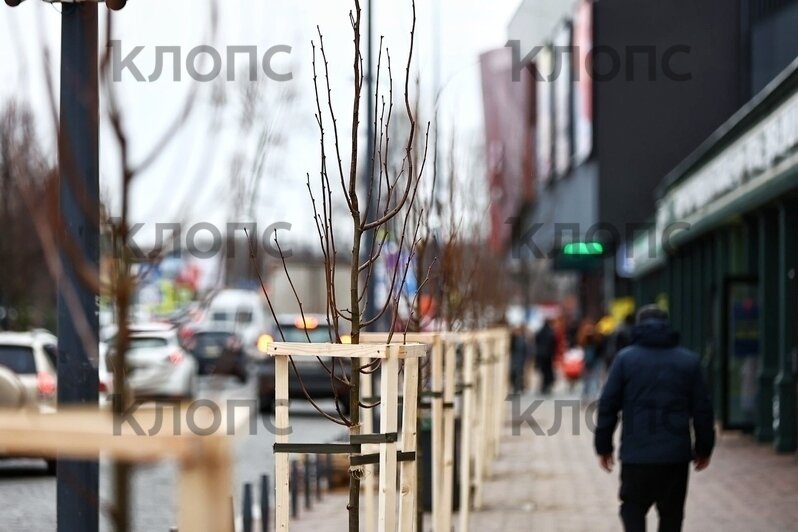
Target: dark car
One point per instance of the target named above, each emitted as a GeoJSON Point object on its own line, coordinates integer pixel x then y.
{"type": "Point", "coordinates": [217, 351]}
{"type": "Point", "coordinates": [315, 378]}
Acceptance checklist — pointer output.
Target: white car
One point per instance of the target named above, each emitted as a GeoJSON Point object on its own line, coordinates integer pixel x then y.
{"type": "Point", "coordinates": [157, 366]}
{"type": "Point", "coordinates": [29, 360]}
{"type": "Point", "coordinates": [28, 377]}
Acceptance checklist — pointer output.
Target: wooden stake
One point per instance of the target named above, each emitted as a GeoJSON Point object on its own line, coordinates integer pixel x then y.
{"type": "Point", "coordinates": [467, 423]}
{"type": "Point", "coordinates": [437, 431]}
{"type": "Point", "coordinates": [408, 489]}
{"type": "Point", "coordinates": [367, 420]}
{"type": "Point", "coordinates": [282, 427]}
{"type": "Point", "coordinates": [389, 392]}
{"type": "Point", "coordinates": [448, 436]}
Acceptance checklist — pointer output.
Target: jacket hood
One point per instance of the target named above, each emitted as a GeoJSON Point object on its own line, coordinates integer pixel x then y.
{"type": "Point", "coordinates": [655, 333]}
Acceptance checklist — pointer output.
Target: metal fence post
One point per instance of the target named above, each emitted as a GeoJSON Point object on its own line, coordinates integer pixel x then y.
{"type": "Point", "coordinates": [246, 508]}
{"type": "Point", "coordinates": [306, 483]}
{"type": "Point", "coordinates": [294, 490]}
{"type": "Point", "coordinates": [264, 503]}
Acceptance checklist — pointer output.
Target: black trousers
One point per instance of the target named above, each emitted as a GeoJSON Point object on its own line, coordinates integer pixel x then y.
{"type": "Point", "coordinates": [644, 485]}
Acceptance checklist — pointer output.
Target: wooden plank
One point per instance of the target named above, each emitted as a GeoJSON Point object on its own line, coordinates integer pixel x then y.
{"type": "Point", "coordinates": [299, 349]}
{"type": "Point", "coordinates": [467, 422]}
{"type": "Point", "coordinates": [408, 488]}
{"type": "Point", "coordinates": [481, 437]}
{"type": "Point", "coordinates": [281, 460]}
{"type": "Point", "coordinates": [450, 363]}
{"type": "Point", "coordinates": [205, 491]}
{"type": "Point", "coordinates": [369, 471]}
{"type": "Point", "coordinates": [149, 434]}
{"type": "Point", "coordinates": [398, 338]}
{"type": "Point", "coordinates": [389, 404]}
{"type": "Point", "coordinates": [437, 430]}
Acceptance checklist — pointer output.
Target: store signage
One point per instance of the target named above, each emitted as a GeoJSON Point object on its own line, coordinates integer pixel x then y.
{"type": "Point", "coordinates": [756, 152]}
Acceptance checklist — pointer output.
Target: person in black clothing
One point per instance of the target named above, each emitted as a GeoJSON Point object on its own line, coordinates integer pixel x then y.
{"type": "Point", "coordinates": [545, 349]}
{"type": "Point", "coordinates": [518, 357]}
{"type": "Point", "coordinates": [659, 388]}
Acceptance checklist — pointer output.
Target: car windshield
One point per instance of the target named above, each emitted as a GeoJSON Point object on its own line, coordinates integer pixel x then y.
{"type": "Point", "coordinates": [320, 334]}
{"type": "Point", "coordinates": [18, 359]}
{"type": "Point", "coordinates": [147, 342]}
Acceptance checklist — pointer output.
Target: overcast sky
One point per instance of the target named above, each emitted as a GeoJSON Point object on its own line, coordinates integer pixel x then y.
{"type": "Point", "coordinates": [191, 181]}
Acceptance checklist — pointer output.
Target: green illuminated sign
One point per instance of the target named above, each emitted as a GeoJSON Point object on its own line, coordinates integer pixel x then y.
{"type": "Point", "coordinates": [583, 248]}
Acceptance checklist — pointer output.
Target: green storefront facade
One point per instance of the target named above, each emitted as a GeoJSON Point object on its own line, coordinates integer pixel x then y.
{"type": "Point", "coordinates": [723, 256]}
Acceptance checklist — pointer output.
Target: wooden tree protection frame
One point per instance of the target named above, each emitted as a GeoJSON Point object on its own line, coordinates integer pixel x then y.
{"type": "Point", "coordinates": [485, 385]}
{"type": "Point", "coordinates": [435, 341]}
{"type": "Point", "coordinates": [82, 433]}
{"type": "Point", "coordinates": [482, 382]}
{"type": "Point", "coordinates": [387, 440]}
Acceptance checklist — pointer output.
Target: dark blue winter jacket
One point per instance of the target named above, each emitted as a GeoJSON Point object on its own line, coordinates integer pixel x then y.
{"type": "Point", "coordinates": [659, 389]}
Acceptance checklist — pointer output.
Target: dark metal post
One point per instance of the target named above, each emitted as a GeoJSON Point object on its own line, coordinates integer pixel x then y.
{"type": "Point", "coordinates": [328, 471]}
{"type": "Point", "coordinates": [78, 153]}
{"type": "Point", "coordinates": [371, 289]}
{"type": "Point", "coordinates": [265, 513]}
{"type": "Point", "coordinates": [306, 483]}
{"type": "Point", "coordinates": [294, 489]}
{"type": "Point", "coordinates": [317, 469]}
{"type": "Point", "coordinates": [246, 508]}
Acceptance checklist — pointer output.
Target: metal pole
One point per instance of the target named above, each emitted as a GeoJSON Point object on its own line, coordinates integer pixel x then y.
{"type": "Point", "coordinates": [306, 483]}
{"type": "Point", "coordinates": [264, 503]}
{"type": "Point", "coordinates": [78, 151]}
{"type": "Point", "coordinates": [371, 288]}
{"type": "Point", "coordinates": [317, 476]}
{"type": "Point", "coordinates": [294, 488]}
{"type": "Point", "coordinates": [246, 508]}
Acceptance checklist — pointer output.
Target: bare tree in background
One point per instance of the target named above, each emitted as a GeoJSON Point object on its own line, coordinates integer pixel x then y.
{"type": "Point", "coordinates": [27, 293]}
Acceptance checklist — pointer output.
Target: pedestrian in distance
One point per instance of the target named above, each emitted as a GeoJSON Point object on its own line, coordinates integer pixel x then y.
{"type": "Point", "coordinates": [519, 348]}
{"type": "Point", "coordinates": [659, 389]}
{"type": "Point", "coordinates": [545, 351]}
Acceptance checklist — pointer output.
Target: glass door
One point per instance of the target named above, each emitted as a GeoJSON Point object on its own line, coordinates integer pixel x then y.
{"type": "Point", "coordinates": [742, 353]}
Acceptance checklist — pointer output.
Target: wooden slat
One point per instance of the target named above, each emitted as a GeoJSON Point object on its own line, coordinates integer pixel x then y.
{"type": "Point", "coordinates": [437, 431]}
{"type": "Point", "coordinates": [398, 338]}
{"type": "Point", "coordinates": [369, 481]}
{"type": "Point", "coordinates": [389, 404]}
{"type": "Point", "coordinates": [205, 490]}
{"type": "Point", "coordinates": [299, 349]}
{"type": "Point", "coordinates": [408, 489]}
{"type": "Point", "coordinates": [150, 434]}
{"type": "Point", "coordinates": [281, 460]}
{"type": "Point", "coordinates": [449, 363]}
{"type": "Point", "coordinates": [467, 422]}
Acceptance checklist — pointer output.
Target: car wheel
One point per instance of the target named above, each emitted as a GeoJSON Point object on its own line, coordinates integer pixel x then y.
{"type": "Point", "coordinates": [191, 388]}
{"type": "Point", "coordinates": [266, 405]}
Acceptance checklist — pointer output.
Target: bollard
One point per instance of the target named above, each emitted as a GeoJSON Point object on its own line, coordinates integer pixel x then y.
{"type": "Point", "coordinates": [246, 508]}
{"type": "Point", "coordinates": [265, 513]}
{"type": "Point", "coordinates": [317, 476]}
{"type": "Point", "coordinates": [294, 482]}
{"type": "Point", "coordinates": [306, 483]}
{"type": "Point", "coordinates": [328, 470]}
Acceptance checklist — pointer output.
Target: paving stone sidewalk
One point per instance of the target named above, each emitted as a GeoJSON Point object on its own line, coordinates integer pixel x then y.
{"type": "Point", "coordinates": [552, 483]}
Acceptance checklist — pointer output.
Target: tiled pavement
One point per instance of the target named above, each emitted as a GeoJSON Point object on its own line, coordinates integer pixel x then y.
{"type": "Point", "coordinates": [553, 483]}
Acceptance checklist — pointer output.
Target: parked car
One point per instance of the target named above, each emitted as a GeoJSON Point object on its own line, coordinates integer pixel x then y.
{"type": "Point", "coordinates": [217, 351]}
{"type": "Point", "coordinates": [157, 365]}
{"type": "Point", "coordinates": [28, 376]}
{"type": "Point", "coordinates": [315, 378]}
{"type": "Point", "coordinates": [32, 357]}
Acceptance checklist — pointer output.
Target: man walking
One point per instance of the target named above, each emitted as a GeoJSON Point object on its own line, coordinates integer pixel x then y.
{"type": "Point", "coordinates": [659, 389]}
